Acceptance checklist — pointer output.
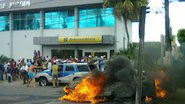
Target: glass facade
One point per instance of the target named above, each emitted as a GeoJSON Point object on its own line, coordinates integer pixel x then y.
{"type": "Point", "coordinates": [26, 21]}
{"type": "Point", "coordinates": [98, 17]}
{"type": "Point", "coordinates": [4, 23]}
{"type": "Point", "coordinates": [59, 19]}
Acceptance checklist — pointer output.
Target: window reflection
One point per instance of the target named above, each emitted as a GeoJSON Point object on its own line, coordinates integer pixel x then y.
{"type": "Point", "coordinates": [4, 23]}
{"type": "Point", "coordinates": [96, 17]}
{"type": "Point", "coordinates": [59, 19]}
{"type": "Point", "coordinates": [26, 21]}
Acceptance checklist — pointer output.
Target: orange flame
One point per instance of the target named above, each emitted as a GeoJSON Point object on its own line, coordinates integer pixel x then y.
{"type": "Point", "coordinates": [159, 91]}
{"type": "Point", "coordinates": [87, 90]}
{"type": "Point", "coordinates": [148, 99]}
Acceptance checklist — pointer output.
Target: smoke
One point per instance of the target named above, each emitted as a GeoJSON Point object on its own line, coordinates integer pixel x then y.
{"type": "Point", "coordinates": [120, 83]}
{"type": "Point", "coordinates": [176, 75]}
{"type": "Point", "coordinates": [119, 68]}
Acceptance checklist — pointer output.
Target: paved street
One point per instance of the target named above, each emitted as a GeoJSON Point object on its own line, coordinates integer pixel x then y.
{"type": "Point", "coordinates": [17, 93]}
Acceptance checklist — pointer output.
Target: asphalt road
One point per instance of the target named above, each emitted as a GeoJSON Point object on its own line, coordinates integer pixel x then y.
{"type": "Point", "coordinates": [17, 93]}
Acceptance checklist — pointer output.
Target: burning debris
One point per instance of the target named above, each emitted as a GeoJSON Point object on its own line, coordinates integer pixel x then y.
{"type": "Point", "coordinates": [120, 84]}
{"type": "Point", "coordinates": [159, 91]}
{"type": "Point", "coordinates": [87, 89]}
{"type": "Point", "coordinates": [116, 85]}
{"type": "Point", "coordinates": [159, 79]}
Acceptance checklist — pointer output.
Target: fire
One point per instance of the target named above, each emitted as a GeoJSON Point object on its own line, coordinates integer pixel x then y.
{"type": "Point", "coordinates": [159, 91]}
{"type": "Point", "coordinates": [159, 78]}
{"type": "Point", "coordinates": [87, 90]}
{"type": "Point", "coordinates": [148, 99]}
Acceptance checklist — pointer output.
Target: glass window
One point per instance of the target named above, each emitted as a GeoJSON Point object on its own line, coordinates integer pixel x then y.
{"type": "Point", "coordinates": [59, 19]}
{"type": "Point", "coordinates": [82, 68]}
{"type": "Point", "coordinates": [69, 68]}
{"type": "Point", "coordinates": [62, 53]}
{"type": "Point", "coordinates": [60, 67]}
{"type": "Point", "coordinates": [96, 17]}
{"type": "Point", "coordinates": [4, 23]}
{"type": "Point", "coordinates": [26, 21]}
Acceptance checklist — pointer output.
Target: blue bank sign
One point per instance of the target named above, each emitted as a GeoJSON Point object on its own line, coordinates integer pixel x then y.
{"type": "Point", "coordinates": [15, 4]}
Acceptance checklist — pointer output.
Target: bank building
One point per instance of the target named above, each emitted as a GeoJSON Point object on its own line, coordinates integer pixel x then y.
{"type": "Point", "coordinates": [63, 28]}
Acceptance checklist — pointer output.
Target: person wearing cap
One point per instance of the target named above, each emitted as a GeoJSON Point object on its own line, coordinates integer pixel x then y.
{"type": "Point", "coordinates": [55, 74]}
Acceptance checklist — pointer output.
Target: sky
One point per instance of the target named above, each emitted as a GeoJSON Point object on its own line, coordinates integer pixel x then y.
{"type": "Point", "coordinates": [155, 23]}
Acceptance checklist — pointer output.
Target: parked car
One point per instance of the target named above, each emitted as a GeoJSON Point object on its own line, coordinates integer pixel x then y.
{"type": "Point", "coordinates": [67, 72]}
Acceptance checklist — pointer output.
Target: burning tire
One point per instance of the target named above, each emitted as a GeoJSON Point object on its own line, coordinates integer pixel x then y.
{"type": "Point", "coordinates": [43, 81]}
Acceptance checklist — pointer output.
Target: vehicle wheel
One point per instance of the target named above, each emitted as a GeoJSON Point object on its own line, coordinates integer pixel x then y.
{"type": "Point", "coordinates": [43, 81]}
{"type": "Point", "coordinates": [76, 79]}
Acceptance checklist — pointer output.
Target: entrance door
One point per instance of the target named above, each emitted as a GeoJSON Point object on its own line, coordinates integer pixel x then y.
{"type": "Point", "coordinates": [62, 53]}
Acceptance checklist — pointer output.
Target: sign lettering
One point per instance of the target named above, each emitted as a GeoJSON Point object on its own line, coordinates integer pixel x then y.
{"type": "Point", "coordinates": [16, 4]}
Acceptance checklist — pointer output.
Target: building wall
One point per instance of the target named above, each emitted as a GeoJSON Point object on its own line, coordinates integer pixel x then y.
{"type": "Point", "coordinates": [5, 43]}
{"type": "Point", "coordinates": [59, 32]}
{"type": "Point", "coordinates": [121, 36]}
{"type": "Point", "coordinates": [96, 31]}
{"type": "Point", "coordinates": [23, 46]}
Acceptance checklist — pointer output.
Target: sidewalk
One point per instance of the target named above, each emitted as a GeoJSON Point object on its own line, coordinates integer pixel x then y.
{"type": "Point", "coordinates": [18, 81]}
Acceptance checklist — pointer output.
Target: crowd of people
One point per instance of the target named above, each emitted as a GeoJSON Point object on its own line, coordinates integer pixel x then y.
{"type": "Point", "coordinates": [25, 69]}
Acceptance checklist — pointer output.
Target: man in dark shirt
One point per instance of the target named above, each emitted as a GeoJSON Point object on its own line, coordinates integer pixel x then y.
{"type": "Point", "coordinates": [1, 71]}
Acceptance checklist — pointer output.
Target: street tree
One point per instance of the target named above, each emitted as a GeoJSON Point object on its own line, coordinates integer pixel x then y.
{"type": "Point", "coordinates": [126, 9]}
{"type": "Point", "coordinates": [181, 40]}
{"type": "Point", "coordinates": [4, 59]}
{"type": "Point", "coordinates": [181, 36]}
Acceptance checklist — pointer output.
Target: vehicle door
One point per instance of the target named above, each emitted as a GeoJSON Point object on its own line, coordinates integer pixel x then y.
{"type": "Point", "coordinates": [68, 69]}
{"type": "Point", "coordinates": [60, 70]}
{"type": "Point", "coordinates": [83, 68]}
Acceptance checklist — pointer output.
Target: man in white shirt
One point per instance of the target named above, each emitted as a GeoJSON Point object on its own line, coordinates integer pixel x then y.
{"type": "Point", "coordinates": [49, 65]}
{"type": "Point", "coordinates": [24, 71]}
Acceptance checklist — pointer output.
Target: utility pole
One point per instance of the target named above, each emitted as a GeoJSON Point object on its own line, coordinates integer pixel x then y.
{"type": "Point", "coordinates": [141, 54]}
{"type": "Point", "coordinates": [168, 34]}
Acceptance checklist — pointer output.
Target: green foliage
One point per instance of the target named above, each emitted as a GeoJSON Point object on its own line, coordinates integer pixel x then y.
{"type": "Point", "coordinates": [4, 59]}
{"type": "Point", "coordinates": [130, 53]}
{"type": "Point", "coordinates": [128, 8]}
{"type": "Point", "coordinates": [181, 36]}
{"type": "Point", "coordinates": [152, 53]}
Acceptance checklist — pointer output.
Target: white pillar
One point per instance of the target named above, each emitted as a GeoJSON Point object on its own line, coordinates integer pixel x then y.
{"type": "Point", "coordinates": [76, 29]}
{"type": "Point", "coordinates": [11, 35]}
{"type": "Point", "coordinates": [41, 30]}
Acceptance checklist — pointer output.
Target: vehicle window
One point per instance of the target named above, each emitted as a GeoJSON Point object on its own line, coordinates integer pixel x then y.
{"type": "Point", "coordinates": [60, 67]}
{"type": "Point", "coordinates": [83, 68]}
{"type": "Point", "coordinates": [69, 68]}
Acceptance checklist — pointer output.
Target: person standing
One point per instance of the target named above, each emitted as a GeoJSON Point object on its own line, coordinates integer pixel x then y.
{"type": "Point", "coordinates": [9, 76]}
{"type": "Point", "coordinates": [1, 71]}
{"type": "Point", "coordinates": [24, 70]}
{"type": "Point", "coordinates": [49, 65]}
{"type": "Point", "coordinates": [5, 70]}
{"type": "Point", "coordinates": [12, 68]}
{"type": "Point", "coordinates": [31, 75]}
{"type": "Point", "coordinates": [55, 74]}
